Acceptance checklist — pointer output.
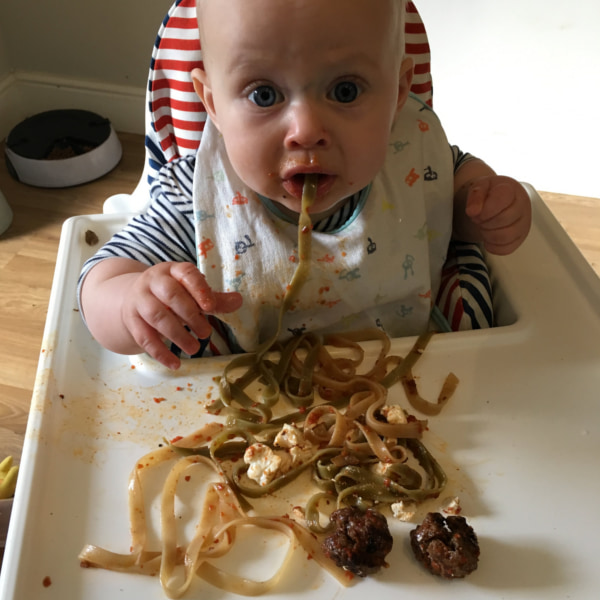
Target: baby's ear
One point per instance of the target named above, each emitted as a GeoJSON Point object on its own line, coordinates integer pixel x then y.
{"type": "Point", "coordinates": [202, 87]}
{"type": "Point", "coordinates": [404, 82]}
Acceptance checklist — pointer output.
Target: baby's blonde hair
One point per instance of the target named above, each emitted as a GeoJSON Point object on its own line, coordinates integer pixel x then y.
{"type": "Point", "coordinates": [398, 18]}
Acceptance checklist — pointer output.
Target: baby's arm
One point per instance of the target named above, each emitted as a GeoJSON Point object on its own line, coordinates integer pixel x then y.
{"type": "Point", "coordinates": [490, 208]}
{"type": "Point", "coordinates": [131, 308]}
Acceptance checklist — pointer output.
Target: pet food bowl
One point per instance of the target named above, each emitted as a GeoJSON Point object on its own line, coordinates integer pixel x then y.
{"type": "Point", "coordinates": [62, 148]}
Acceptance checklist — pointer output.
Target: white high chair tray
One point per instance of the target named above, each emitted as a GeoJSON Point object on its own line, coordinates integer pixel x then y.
{"type": "Point", "coordinates": [520, 441]}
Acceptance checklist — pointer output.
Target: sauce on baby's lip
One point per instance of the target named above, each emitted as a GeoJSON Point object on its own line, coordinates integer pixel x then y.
{"type": "Point", "coordinates": [294, 185]}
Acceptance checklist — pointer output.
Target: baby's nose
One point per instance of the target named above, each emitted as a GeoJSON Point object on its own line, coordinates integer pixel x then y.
{"type": "Point", "coordinates": [307, 127]}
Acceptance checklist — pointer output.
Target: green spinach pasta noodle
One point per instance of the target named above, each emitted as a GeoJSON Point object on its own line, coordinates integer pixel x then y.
{"type": "Point", "coordinates": [311, 401]}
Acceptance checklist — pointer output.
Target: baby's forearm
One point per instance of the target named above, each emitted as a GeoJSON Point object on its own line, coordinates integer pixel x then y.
{"type": "Point", "coordinates": [102, 295]}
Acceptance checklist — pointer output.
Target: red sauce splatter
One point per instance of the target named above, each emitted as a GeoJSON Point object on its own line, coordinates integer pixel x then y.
{"type": "Point", "coordinates": [159, 400]}
{"type": "Point", "coordinates": [47, 582]}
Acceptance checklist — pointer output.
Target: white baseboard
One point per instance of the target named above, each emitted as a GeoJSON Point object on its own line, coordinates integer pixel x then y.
{"type": "Point", "coordinates": [23, 94]}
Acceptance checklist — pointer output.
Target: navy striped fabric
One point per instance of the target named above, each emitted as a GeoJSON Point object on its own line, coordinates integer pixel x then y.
{"type": "Point", "coordinates": [465, 295]}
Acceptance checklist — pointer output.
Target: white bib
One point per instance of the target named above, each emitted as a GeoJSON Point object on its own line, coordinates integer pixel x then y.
{"type": "Point", "coordinates": [382, 269]}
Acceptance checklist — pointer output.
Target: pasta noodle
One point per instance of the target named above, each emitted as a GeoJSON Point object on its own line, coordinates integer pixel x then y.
{"type": "Point", "coordinates": [333, 410]}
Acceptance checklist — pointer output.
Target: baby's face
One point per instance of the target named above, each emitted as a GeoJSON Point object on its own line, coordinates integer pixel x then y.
{"type": "Point", "coordinates": [302, 86]}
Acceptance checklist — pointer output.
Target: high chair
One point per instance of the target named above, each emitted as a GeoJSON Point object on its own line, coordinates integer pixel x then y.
{"type": "Point", "coordinates": [519, 439]}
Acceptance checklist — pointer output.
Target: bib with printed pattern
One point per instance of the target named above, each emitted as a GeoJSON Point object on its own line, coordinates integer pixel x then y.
{"type": "Point", "coordinates": [381, 270]}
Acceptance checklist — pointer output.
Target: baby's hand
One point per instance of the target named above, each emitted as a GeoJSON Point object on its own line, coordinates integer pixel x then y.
{"type": "Point", "coordinates": [163, 300]}
{"type": "Point", "coordinates": [500, 209]}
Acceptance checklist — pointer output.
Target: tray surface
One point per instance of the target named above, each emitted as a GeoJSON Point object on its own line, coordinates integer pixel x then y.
{"type": "Point", "coordinates": [520, 441]}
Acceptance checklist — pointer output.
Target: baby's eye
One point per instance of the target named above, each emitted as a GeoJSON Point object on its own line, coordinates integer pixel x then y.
{"type": "Point", "coordinates": [265, 96]}
{"type": "Point", "coordinates": [345, 92]}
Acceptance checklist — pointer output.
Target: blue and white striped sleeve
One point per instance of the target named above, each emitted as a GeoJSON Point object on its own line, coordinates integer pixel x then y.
{"type": "Point", "coordinates": [165, 232]}
{"type": "Point", "coordinates": [460, 157]}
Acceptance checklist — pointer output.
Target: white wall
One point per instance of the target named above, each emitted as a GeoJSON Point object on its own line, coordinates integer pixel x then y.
{"type": "Point", "coordinates": [76, 54]}
{"type": "Point", "coordinates": [518, 83]}
{"type": "Point", "coordinates": [107, 40]}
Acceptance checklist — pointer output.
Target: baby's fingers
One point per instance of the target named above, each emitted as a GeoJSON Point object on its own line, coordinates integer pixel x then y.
{"type": "Point", "coordinates": [173, 313]}
{"type": "Point", "coordinates": [503, 241]}
{"type": "Point", "coordinates": [501, 205]}
{"type": "Point", "coordinates": [476, 198]}
{"type": "Point", "coordinates": [195, 284]}
{"type": "Point", "coordinates": [198, 288]}
{"type": "Point", "coordinates": [151, 341]}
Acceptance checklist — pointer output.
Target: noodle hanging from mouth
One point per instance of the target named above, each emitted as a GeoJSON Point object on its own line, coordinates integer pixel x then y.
{"type": "Point", "coordinates": [340, 414]}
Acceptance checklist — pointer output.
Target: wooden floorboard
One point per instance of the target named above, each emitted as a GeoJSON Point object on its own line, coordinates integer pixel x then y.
{"type": "Point", "coordinates": [27, 260]}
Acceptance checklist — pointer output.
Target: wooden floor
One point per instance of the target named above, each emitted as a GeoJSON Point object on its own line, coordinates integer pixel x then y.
{"type": "Point", "coordinates": [28, 252]}
{"type": "Point", "coordinates": [27, 258]}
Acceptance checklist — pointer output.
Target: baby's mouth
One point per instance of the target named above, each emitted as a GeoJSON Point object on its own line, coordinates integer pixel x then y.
{"type": "Point", "coordinates": [295, 184]}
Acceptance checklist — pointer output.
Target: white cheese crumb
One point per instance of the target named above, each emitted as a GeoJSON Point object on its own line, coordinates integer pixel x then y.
{"type": "Point", "coordinates": [451, 506]}
{"type": "Point", "coordinates": [394, 414]}
{"type": "Point", "coordinates": [293, 440]}
{"type": "Point", "coordinates": [263, 463]}
{"type": "Point", "coordinates": [289, 436]}
{"type": "Point", "coordinates": [380, 468]}
{"type": "Point", "coordinates": [403, 511]}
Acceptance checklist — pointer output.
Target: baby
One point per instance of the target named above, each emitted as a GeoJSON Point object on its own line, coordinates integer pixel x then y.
{"type": "Point", "coordinates": [296, 87]}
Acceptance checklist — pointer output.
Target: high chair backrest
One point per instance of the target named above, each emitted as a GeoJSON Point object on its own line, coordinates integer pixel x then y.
{"type": "Point", "coordinates": [175, 116]}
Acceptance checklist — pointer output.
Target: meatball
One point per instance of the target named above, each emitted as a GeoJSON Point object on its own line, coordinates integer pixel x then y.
{"type": "Point", "coordinates": [360, 541]}
{"type": "Point", "coordinates": [447, 546]}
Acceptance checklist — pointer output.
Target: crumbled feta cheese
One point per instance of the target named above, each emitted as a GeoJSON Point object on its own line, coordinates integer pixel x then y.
{"type": "Point", "coordinates": [263, 463]}
{"type": "Point", "coordinates": [380, 468]}
{"type": "Point", "coordinates": [289, 436]}
{"type": "Point", "coordinates": [293, 440]}
{"type": "Point", "coordinates": [451, 506]}
{"type": "Point", "coordinates": [394, 414]}
{"type": "Point", "coordinates": [403, 511]}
